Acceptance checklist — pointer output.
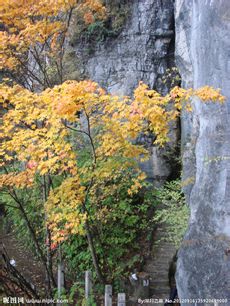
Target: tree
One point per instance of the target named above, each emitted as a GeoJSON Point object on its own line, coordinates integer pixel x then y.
{"type": "Point", "coordinates": [33, 38]}
{"type": "Point", "coordinates": [43, 133]}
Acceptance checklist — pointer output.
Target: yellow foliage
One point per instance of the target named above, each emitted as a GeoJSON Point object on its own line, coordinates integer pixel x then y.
{"type": "Point", "coordinates": [33, 22]}
{"type": "Point", "coordinates": [43, 132]}
{"type": "Point", "coordinates": [63, 208]}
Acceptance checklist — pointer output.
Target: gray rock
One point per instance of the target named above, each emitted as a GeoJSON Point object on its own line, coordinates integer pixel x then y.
{"type": "Point", "coordinates": [142, 52]}
{"type": "Point", "coordinates": [203, 57]}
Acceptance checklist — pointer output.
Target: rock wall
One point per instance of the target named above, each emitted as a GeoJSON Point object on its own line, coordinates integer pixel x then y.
{"type": "Point", "coordinates": [203, 58]}
{"type": "Point", "coordinates": [142, 52]}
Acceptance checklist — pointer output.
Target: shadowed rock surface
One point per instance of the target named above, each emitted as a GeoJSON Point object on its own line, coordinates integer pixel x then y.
{"type": "Point", "coordinates": [142, 52]}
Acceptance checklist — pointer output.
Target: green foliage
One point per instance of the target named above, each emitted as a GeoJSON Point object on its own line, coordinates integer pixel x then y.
{"type": "Point", "coordinates": [63, 296]}
{"type": "Point", "coordinates": [97, 31]}
{"type": "Point", "coordinates": [77, 295]}
{"type": "Point", "coordinates": [33, 207]}
{"type": "Point", "coordinates": [172, 211]}
{"type": "Point", "coordinates": [89, 302]}
{"type": "Point", "coordinates": [172, 77]}
{"type": "Point", "coordinates": [117, 234]}
{"type": "Point", "coordinates": [118, 14]}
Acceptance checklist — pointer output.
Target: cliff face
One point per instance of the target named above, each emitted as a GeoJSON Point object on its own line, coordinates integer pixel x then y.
{"type": "Point", "coordinates": [142, 52]}
{"type": "Point", "coordinates": [203, 58]}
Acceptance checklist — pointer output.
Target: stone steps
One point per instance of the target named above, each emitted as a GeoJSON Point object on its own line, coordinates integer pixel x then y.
{"type": "Point", "coordinates": [158, 265]}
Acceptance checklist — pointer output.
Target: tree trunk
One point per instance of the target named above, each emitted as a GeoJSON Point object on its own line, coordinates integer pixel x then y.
{"type": "Point", "coordinates": [93, 253]}
{"type": "Point", "coordinates": [49, 264]}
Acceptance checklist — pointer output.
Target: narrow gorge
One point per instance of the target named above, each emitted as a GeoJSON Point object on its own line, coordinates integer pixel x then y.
{"type": "Point", "coordinates": [194, 36]}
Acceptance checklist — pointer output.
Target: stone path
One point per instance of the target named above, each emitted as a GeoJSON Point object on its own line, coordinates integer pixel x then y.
{"type": "Point", "coordinates": [26, 262]}
{"type": "Point", "coordinates": [158, 266]}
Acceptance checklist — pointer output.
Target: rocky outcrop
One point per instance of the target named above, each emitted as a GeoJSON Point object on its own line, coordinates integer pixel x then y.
{"type": "Point", "coordinates": [142, 52]}
{"type": "Point", "coordinates": [203, 58]}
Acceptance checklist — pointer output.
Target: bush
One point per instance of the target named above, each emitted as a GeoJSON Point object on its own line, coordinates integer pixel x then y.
{"type": "Point", "coordinates": [173, 211]}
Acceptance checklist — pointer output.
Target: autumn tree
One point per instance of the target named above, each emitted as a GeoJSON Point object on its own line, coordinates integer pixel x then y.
{"type": "Point", "coordinates": [33, 38]}
{"type": "Point", "coordinates": [37, 133]}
